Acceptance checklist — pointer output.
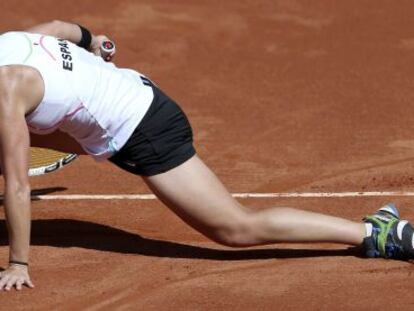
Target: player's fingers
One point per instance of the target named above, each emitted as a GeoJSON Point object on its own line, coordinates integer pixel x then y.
{"type": "Point", "coordinates": [19, 283]}
{"type": "Point", "coordinates": [3, 281]}
{"type": "Point", "coordinates": [29, 283]}
{"type": "Point", "coordinates": [10, 283]}
{"type": "Point", "coordinates": [110, 57]}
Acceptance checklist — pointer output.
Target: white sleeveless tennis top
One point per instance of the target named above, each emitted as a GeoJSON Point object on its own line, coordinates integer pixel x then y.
{"type": "Point", "coordinates": [95, 102]}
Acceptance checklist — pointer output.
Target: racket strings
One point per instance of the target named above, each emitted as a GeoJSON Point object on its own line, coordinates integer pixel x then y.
{"type": "Point", "coordinates": [41, 157]}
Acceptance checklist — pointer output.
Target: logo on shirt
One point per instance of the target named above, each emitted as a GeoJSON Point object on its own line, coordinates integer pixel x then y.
{"type": "Point", "coordinates": [66, 55]}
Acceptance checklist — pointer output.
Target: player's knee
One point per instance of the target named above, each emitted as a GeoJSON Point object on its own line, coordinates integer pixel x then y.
{"type": "Point", "coordinates": [234, 233]}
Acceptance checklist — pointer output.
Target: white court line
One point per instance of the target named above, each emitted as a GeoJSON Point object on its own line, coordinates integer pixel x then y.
{"type": "Point", "coordinates": [74, 197]}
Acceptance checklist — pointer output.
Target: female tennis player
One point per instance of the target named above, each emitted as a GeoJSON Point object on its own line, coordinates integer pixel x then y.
{"type": "Point", "coordinates": [49, 84]}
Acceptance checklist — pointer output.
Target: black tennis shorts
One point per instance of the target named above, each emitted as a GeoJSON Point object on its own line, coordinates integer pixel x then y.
{"type": "Point", "coordinates": [162, 141]}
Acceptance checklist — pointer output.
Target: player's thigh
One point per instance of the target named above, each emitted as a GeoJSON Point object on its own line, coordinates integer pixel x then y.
{"type": "Point", "coordinates": [195, 194]}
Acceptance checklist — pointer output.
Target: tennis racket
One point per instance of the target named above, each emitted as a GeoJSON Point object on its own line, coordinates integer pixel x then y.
{"type": "Point", "coordinates": [43, 160]}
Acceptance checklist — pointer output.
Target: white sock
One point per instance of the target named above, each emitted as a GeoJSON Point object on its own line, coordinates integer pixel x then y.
{"type": "Point", "coordinates": [368, 229]}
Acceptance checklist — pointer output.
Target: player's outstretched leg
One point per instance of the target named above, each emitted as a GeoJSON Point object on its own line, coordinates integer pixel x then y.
{"type": "Point", "coordinates": [196, 195]}
{"type": "Point", "coordinates": [388, 236]}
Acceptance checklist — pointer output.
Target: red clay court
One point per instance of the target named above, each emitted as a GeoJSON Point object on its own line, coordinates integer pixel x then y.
{"type": "Point", "coordinates": [284, 96]}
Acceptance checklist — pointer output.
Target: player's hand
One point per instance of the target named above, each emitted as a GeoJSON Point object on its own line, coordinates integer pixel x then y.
{"type": "Point", "coordinates": [96, 44]}
{"type": "Point", "coordinates": [15, 276]}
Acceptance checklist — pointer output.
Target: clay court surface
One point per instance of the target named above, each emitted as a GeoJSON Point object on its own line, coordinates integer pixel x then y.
{"type": "Point", "coordinates": [284, 96]}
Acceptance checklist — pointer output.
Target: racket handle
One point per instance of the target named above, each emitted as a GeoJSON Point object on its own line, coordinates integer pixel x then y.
{"type": "Point", "coordinates": [108, 50]}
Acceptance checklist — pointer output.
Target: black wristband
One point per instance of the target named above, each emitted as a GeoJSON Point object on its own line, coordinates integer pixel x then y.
{"type": "Point", "coordinates": [15, 262]}
{"type": "Point", "coordinates": [86, 38]}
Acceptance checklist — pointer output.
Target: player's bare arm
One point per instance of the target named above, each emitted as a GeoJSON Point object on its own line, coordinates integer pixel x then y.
{"type": "Point", "coordinates": [74, 33]}
{"type": "Point", "coordinates": [16, 100]}
{"type": "Point", "coordinates": [21, 91]}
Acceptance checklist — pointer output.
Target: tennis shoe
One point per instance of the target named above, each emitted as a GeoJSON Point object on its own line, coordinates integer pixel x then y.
{"type": "Point", "coordinates": [391, 237]}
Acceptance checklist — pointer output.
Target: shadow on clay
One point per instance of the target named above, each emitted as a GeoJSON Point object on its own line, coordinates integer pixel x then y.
{"type": "Point", "coordinates": [42, 191]}
{"type": "Point", "coordinates": [89, 235]}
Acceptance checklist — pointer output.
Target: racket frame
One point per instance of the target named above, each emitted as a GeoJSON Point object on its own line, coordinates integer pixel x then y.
{"type": "Point", "coordinates": [49, 168]}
